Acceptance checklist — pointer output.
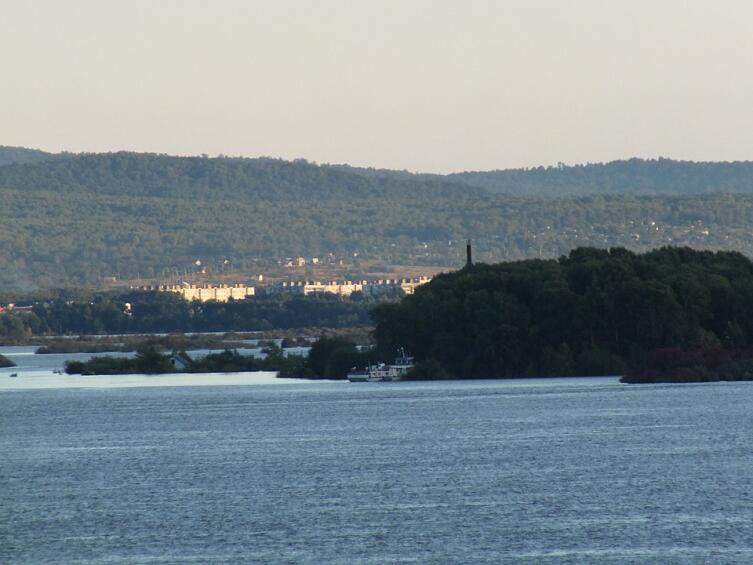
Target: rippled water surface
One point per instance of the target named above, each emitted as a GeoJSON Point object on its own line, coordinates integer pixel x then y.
{"type": "Point", "coordinates": [561, 471]}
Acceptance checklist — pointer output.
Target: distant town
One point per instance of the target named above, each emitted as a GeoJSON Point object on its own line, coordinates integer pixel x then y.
{"type": "Point", "coordinates": [224, 292]}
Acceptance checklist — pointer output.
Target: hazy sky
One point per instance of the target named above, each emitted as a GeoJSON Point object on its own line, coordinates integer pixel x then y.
{"type": "Point", "coordinates": [422, 85]}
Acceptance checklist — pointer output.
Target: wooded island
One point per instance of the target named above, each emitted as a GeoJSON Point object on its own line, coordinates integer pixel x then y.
{"type": "Point", "coordinates": [669, 315]}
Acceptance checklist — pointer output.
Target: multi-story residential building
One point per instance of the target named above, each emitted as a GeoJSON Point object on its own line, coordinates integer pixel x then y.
{"type": "Point", "coordinates": [206, 292]}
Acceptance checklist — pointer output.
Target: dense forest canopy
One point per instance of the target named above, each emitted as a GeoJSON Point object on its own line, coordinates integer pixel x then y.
{"type": "Point", "coordinates": [150, 175]}
{"type": "Point", "coordinates": [628, 176]}
{"type": "Point", "coordinates": [10, 155]}
{"type": "Point", "coordinates": [72, 219]}
{"type": "Point", "coordinates": [593, 312]}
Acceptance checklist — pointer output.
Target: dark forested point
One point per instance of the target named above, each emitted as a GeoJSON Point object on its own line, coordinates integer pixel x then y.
{"type": "Point", "coordinates": [333, 357]}
{"type": "Point", "coordinates": [673, 365]}
{"type": "Point", "coordinates": [5, 362]}
{"type": "Point", "coordinates": [669, 314]}
{"type": "Point", "coordinates": [428, 369]}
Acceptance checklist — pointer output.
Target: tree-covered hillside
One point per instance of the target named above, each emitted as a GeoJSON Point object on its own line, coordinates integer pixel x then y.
{"type": "Point", "coordinates": [150, 175]}
{"type": "Point", "coordinates": [10, 155]}
{"type": "Point", "coordinates": [74, 219]}
{"type": "Point", "coordinates": [633, 176]}
{"type": "Point", "coordinates": [84, 217]}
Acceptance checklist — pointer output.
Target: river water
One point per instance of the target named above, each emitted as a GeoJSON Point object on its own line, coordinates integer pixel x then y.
{"type": "Point", "coordinates": [537, 471]}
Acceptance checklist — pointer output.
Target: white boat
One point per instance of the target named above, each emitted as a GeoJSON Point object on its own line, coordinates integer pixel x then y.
{"type": "Point", "coordinates": [383, 372]}
{"type": "Point", "coordinates": [358, 376]}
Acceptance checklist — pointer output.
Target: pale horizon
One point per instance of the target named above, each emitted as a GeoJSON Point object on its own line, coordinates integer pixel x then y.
{"type": "Point", "coordinates": [433, 87]}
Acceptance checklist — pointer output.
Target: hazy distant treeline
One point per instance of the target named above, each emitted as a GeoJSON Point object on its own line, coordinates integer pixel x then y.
{"type": "Point", "coordinates": [633, 176]}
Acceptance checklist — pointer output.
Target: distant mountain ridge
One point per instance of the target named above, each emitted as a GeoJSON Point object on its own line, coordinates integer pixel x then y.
{"type": "Point", "coordinates": [148, 174]}
{"type": "Point", "coordinates": [20, 155]}
{"type": "Point", "coordinates": [631, 176]}
{"type": "Point", "coordinates": [628, 176]}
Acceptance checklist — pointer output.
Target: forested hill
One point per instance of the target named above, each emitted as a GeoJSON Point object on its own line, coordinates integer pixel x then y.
{"type": "Point", "coordinates": [135, 174]}
{"type": "Point", "coordinates": [80, 218]}
{"type": "Point", "coordinates": [161, 174]}
{"type": "Point", "coordinates": [71, 219]}
{"type": "Point", "coordinates": [9, 155]}
{"type": "Point", "coordinates": [633, 176]}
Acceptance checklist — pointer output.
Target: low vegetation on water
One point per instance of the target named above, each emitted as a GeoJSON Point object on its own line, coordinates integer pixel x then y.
{"type": "Point", "coordinates": [669, 314]}
{"type": "Point", "coordinates": [329, 357]}
{"type": "Point", "coordinates": [672, 365]}
{"type": "Point", "coordinates": [150, 360]}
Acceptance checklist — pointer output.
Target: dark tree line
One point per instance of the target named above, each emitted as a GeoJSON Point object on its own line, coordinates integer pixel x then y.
{"type": "Point", "coordinates": [163, 312]}
{"type": "Point", "coordinates": [593, 312]}
{"type": "Point", "coordinates": [328, 358]}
